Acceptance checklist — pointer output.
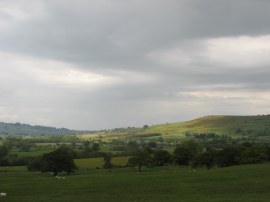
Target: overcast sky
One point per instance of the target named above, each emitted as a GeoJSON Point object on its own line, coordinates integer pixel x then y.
{"type": "Point", "coordinates": [99, 64]}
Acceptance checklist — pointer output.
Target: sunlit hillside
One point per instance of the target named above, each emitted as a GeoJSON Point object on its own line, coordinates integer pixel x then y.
{"type": "Point", "coordinates": [235, 126]}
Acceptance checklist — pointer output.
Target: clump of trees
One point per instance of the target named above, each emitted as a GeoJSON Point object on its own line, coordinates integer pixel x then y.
{"type": "Point", "coordinates": [192, 153]}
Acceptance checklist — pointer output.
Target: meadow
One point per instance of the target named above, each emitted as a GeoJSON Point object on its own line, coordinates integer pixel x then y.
{"type": "Point", "coordinates": [93, 163]}
{"type": "Point", "coordinates": [173, 183]}
{"type": "Point", "coordinates": [169, 183]}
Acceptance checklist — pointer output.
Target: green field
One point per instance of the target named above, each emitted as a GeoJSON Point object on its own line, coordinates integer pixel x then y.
{"type": "Point", "coordinates": [93, 163]}
{"type": "Point", "coordinates": [239, 183]}
{"type": "Point", "coordinates": [32, 153]}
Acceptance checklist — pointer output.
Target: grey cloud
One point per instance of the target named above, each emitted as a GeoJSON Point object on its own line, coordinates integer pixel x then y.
{"type": "Point", "coordinates": [116, 38]}
{"type": "Point", "coordinates": [117, 34]}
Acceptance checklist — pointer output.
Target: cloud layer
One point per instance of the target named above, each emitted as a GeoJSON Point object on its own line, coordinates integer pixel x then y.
{"type": "Point", "coordinates": [116, 63]}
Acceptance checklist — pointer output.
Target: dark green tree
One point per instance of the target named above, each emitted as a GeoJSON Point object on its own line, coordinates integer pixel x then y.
{"type": "Point", "coordinates": [228, 156]}
{"type": "Point", "coordinates": [3, 150]}
{"type": "Point", "coordinates": [206, 158]}
{"type": "Point", "coordinates": [95, 147]}
{"type": "Point", "coordinates": [185, 152]}
{"type": "Point", "coordinates": [60, 160]}
{"type": "Point", "coordinates": [141, 158]}
{"type": "Point", "coordinates": [36, 164]}
{"type": "Point", "coordinates": [24, 145]}
{"type": "Point", "coordinates": [161, 157]}
{"type": "Point", "coordinates": [108, 161]}
{"type": "Point", "coordinates": [253, 154]}
{"type": "Point", "coordinates": [145, 127]}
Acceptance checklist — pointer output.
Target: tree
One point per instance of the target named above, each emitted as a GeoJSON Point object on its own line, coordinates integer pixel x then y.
{"type": "Point", "coordinates": [141, 158]}
{"type": "Point", "coordinates": [253, 154]}
{"type": "Point", "coordinates": [3, 153]}
{"type": "Point", "coordinates": [3, 150]}
{"type": "Point", "coordinates": [58, 161]}
{"type": "Point", "coordinates": [228, 156]}
{"type": "Point", "coordinates": [184, 153]}
{"type": "Point", "coordinates": [145, 127]}
{"type": "Point", "coordinates": [152, 145]}
{"type": "Point", "coordinates": [95, 147]}
{"type": "Point", "coordinates": [24, 145]}
{"type": "Point", "coordinates": [206, 158]}
{"type": "Point", "coordinates": [36, 164]}
{"type": "Point", "coordinates": [161, 157]}
{"type": "Point", "coordinates": [133, 146]}
{"type": "Point", "coordinates": [108, 161]}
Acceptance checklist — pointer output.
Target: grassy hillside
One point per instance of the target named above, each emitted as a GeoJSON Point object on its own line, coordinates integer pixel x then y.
{"type": "Point", "coordinates": [235, 126]}
{"type": "Point", "coordinates": [247, 183]}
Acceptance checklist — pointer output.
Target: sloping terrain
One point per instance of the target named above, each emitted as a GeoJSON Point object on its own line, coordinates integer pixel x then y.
{"type": "Point", "coordinates": [235, 126]}
{"type": "Point", "coordinates": [26, 129]}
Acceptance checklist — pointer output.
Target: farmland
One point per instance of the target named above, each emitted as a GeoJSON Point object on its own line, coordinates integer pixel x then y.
{"type": "Point", "coordinates": [245, 138]}
{"type": "Point", "coordinates": [237, 183]}
{"type": "Point", "coordinates": [93, 163]}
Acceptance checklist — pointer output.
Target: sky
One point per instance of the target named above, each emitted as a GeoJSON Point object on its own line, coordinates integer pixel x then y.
{"type": "Point", "coordinates": [104, 64]}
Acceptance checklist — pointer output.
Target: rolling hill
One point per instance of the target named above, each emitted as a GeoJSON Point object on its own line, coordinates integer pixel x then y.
{"type": "Point", "coordinates": [26, 129]}
{"type": "Point", "coordinates": [235, 126]}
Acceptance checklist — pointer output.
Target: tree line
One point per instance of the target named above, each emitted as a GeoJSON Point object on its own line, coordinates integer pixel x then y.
{"type": "Point", "coordinates": [192, 153]}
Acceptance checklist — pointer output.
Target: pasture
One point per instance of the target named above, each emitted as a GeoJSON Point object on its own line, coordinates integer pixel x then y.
{"type": "Point", "coordinates": [239, 183]}
{"type": "Point", "coordinates": [93, 163]}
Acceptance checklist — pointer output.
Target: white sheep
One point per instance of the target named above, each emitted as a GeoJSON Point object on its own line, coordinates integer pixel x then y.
{"type": "Point", "coordinates": [59, 177]}
{"type": "Point", "coordinates": [3, 194]}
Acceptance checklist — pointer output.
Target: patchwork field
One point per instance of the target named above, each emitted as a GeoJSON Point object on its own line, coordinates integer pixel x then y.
{"type": "Point", "coordinates": [239, 183]}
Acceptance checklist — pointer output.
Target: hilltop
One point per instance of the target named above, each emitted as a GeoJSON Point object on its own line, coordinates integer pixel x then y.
{"type": "Point", "coordinates": [235, 126]}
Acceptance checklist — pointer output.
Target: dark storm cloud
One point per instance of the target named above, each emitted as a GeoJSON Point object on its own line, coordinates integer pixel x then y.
{"type": "Point", "coordinates": [117, 34]}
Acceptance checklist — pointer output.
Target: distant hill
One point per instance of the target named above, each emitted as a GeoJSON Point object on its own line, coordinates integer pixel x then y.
{"type": "Point", "coordinates": [25, 129]}
{"type": "Point", "coordinates": [235, 126]}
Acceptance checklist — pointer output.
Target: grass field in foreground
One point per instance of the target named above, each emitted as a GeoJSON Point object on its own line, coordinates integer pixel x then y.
{"type": "Point", "coordinates": [239, 183]}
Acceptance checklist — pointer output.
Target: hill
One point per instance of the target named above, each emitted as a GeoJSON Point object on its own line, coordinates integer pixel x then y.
{"type": "Point", "coordinates": [235, 126]}
{"type": "Point", "coordinates": [26, 129]}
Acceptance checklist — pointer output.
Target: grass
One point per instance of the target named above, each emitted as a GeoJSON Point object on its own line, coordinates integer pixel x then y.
{"type": "Point", "coordinates": [12, 168]}
{"type": "Point", "coordinates": [32, 153]}
{"type": "Point", "coordinates": [236, 126]}
{"type": "Point", "coordinates": [249, 183]}
{"type": "Point", "coordinates": [93, 163]}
